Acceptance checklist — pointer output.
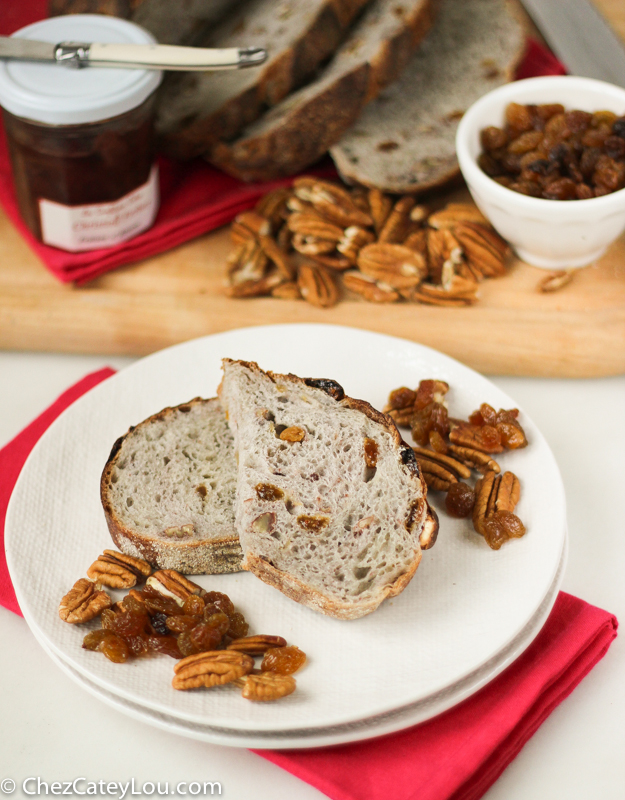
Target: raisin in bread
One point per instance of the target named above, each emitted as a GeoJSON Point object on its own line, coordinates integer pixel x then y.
{"type": "Point", "coordinates": [299, 130]}
{"type": "Point", "coordinates": [404, 141]}
{"type": "Point", "coordinates": [331, 507]}
{"type": "Point", "coordinates": [197, 109]}
{"type": "Point", "coordinates": [168, 490]}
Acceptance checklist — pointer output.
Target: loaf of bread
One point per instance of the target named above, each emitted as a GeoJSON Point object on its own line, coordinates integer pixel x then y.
{"type": "Point", "coordinates": [405, 140]}
{"type": "Point", "coordinates": [299, 130]}
{"type": "Point", "coordinates": [168, 490]}
{"type": "Point", "coordinates": [331, 507]}
{"type": "Point", "coordinates": [195, 110]}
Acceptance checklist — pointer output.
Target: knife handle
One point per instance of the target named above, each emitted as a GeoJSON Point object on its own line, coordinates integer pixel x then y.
{"type": "Point", "coordinates": [171, 57]}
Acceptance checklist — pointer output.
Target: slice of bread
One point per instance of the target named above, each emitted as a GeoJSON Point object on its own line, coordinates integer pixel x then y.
{"type": "Point", "coordinates": [405, 140]}
{"type": "Point", "coordinates": [331, 507]}
{"type": "Point", "coordinates": [168, 490]}
{"type": "Point", "coordinates": [299, 130]}
{"type": "Point", "coordinates": [195, 110]}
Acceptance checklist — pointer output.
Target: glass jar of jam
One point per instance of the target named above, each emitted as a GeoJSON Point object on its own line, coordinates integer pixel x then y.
{"type": "Point", "coordinates": [81, 140]}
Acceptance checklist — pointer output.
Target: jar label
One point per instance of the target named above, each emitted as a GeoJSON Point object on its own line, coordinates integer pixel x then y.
{"type": "Point", "coordinates": [89, 227]}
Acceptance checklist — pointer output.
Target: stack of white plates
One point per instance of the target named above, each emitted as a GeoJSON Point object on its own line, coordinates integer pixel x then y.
{"type": "Point", "coordinates": [468, 612]}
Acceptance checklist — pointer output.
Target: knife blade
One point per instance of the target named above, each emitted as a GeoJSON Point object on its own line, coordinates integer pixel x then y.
{"type": "Point", "coordinates": [580, 37]}
{"type": "Point", "coordinates": [133, 56]}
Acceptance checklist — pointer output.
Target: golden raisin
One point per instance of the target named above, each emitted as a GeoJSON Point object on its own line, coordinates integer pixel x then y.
{"type": "Point", "coordinates": [193, 605]}
{"type": "Point", "coordinates": [205, 637]}
{"type": "Point", "coordinates": [402, 398]}
{"type": "Point", "coordinates": [238, 627]}
{"type": "Point", "coordinates": [164, 644]}
{"type": "Point", "coordinates": [371, 453]}
{"type": "Point", "coordinates": [267, 491]}
{"type": "Point", "coordinates": [500, 527]}
{"type": "Point", "coordinates": [114, 648]}
{"type": "Point", "coordinates": [181, 623]}
{"type": "Point", "coordinates": [459, 500]}
{"type": "Point", "coordinates": [222, 601]}
{"type": "Point", "coordinates": [283, 660]}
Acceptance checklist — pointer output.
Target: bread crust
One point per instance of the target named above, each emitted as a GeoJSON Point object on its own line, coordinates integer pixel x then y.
{"type": "Point", "coordinates": [198, 132]}
{"type": "Point", "coordinates": [421, 519]}
{"type": "Point", "coordinates": [189, 557]}
{"type": "Point", "coordinates": [310, 127]}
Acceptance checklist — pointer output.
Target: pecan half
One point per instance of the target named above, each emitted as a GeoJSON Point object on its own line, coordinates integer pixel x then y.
{"type": "Point", "coordinates": [435, 474]}
{"type": "Point", "coordinates": [455, 213]}
{"type": "Point", "coordinates": [268, 686]}
{"type": "Point", "coordinates": [475, 459]}
{"type": "Point", "coordinates": [366, 287]}
{"type": "Point", "coordinates": [459, 469]}
{"type": "Point", "coordinates": [308, 224]}
{"type": "Point", "coordinates": [272, 206]}
{"type": "Point", "coordinates": [278, 256]}
{"type": "Point", "coordinates": [354, 239]}
{"type": "Point", "coordinates": [312, 245]}
{"type": "Point", "coordinates": [317, 286]}
{"type": "Point", "coordinates": [398, 221]}
{"type": "Point", "coordinates": [483, 248]}
{"type": "Point", "coordinates": [337, 205]}
{"type": "Point", "coordinates": [172, 584]}
{"type": "Point", "coordinates": [247, 263]}
{"type": "Point", "coordinates": [331, 260]}
{"type": "Point", "coordinates": [455, 289]}
{"type": "Point", "coordinates": [286, 291]}
{"type": "Point", "coordinates": [213, 668]}
{"type": "Point", "coordinates": [476, 437]}
{"type": "Point", "coordinates": [241, 234]}
{"type": "Point", "coordinates": [494, 493]}
{"type": "Point", "coordinates": [393, 264]}
{"type": "Point", "coordinates": [83, 602]}
{"type": "Point", "coordinates": [380, 205]}
{"type": "Point", "coordinates": [430, 299]}
{"type": "Point", "coordinates": [556, 280]}
{"type": "Point", "coordinates": [256, 288]}
{"type": "Point", "coordinates": [256, 645]}
{"type": "Point", "coordinates": [254, 222]}
{"type": "Point", "coordinates": [418, 240]}
{"type": "Point", "coordinates": [118, 570]}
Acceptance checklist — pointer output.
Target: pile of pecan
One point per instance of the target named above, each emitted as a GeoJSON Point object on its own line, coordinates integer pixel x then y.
{"type": "Point", "coordinates": [320, 241]}
{"type": "Point", "coordinates": [449, 450]}
{"type": "Point", "coordinates": [173, 616]}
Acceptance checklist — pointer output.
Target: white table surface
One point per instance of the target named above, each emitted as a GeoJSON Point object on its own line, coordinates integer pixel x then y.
{"type": "Point", "coordinates": [53, 729]}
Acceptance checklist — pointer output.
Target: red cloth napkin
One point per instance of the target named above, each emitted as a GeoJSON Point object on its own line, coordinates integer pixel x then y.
{"type": "Point", "coordinates": [455, 756]}
{"type": "Point", "coordinates": [195, 197]}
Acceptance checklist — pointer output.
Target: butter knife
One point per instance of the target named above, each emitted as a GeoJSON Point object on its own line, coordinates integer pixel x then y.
{"type": "Point", "coordinates": [133, 56]}
{"type": "Point", "coordinates": [580, 37]}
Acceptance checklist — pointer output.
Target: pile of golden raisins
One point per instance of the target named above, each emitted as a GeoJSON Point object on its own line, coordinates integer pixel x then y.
{"type": "Point", "coordinates": [146, 622]}
{"type": "Point", "coordinates": [545, 151]}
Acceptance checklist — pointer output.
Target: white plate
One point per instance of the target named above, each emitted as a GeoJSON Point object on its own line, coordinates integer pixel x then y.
{"type": "Point", "coordinates": [363, 729]}
{"type": "Point", "coordinates": [465, 605]}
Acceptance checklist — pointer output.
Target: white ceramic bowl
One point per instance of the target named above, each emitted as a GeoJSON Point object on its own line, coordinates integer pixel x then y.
{"type": "Point", "coordinates": [552, 234]}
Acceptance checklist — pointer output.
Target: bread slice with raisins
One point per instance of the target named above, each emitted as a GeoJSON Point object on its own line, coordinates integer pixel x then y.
{"type": "Point", "coordinates": [195, 110]}
{"type": "Point", "coordinates": [331, 507]}
{"type": "Point", "coordinates": [168, 490]}
{"type": "Point", "coordinates": [404, 141]}
{"type": "Point", "coordinates": [299, 130]}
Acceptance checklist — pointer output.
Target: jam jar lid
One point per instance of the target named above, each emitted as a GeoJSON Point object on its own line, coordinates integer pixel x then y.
{"type": "Point", "coordinates": [60, 95]}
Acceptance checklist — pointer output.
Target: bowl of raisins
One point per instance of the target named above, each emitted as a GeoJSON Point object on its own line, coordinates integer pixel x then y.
{"type": "Point", "coordinates": [544, 159]}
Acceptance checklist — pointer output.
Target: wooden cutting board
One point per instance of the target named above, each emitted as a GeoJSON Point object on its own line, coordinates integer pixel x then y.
{"type": "Point", "coordinates": [578, 331]}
